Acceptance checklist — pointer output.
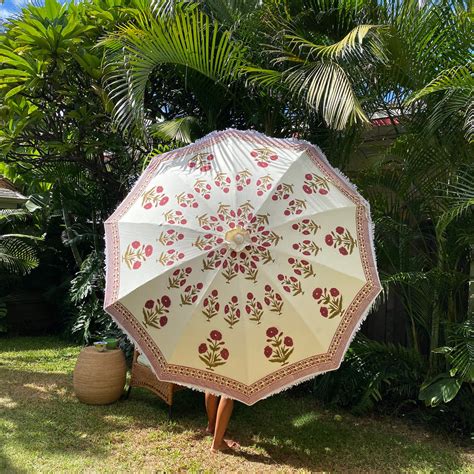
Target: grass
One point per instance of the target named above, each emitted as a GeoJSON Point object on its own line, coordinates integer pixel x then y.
{"type": "Point", "coordinates": [43, 428]}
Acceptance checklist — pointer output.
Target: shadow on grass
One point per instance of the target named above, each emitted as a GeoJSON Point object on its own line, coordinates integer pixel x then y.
{"type": "Point", "coordinates": [39, 413]}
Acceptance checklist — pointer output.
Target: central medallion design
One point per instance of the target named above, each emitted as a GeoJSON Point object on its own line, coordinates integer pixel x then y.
{"type": "Point", "coordinates": [237, 238]}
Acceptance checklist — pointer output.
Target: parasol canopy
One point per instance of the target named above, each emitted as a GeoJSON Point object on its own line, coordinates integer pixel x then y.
{"type": "Point", "coordinates": [241, 264]}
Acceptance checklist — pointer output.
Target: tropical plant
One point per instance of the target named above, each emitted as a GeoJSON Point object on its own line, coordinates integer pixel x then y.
{"type": "Point", "coordinates": [17, 256]}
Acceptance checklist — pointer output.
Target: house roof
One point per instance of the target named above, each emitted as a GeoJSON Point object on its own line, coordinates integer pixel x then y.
{"type": "Point", "coordinates": [8, 193]}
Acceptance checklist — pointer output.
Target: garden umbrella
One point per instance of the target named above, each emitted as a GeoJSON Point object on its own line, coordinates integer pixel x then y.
{"type": "Point", "coordinates": [241, 264]}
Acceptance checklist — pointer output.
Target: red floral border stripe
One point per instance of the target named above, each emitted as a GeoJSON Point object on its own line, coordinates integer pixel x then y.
{"type": "Point", "coordinates": [281, 378]}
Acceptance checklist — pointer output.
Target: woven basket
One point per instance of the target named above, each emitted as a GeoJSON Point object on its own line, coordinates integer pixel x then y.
{"type": "Point", "coordinates": [99, 377]}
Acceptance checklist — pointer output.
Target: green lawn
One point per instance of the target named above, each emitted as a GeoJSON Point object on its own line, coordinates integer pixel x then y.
{"type": "Point", "coordinates": [44, 428]}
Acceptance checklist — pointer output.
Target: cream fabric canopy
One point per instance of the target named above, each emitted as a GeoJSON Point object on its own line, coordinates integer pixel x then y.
{"type": "Point", "coordinates": [241, 264]}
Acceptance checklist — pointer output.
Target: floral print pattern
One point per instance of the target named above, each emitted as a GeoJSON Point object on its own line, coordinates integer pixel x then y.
{"type": "Point", "coordinates": [187, 200]}
{"type": "Point", "coordinates": [282, 192]}
{"type": "Point", "coordinates": [155, 312]}
{"type": "Point", "coordinates": [301, 267]}
{"type": "Point", "coordinates": [185, 249]}
{"type": "Point", "coordinates": [211, 305]}
{"type": "Point", "coordinates": [213, 352]}
{"type": "Point", "coordinates": [291, 284]}
{"type": "Point", "coordinates": [201, 162]}
{"type": "Point", "coordinates": [136, 253]}
{"type": "Point", "coordinates": [295, 207]}
{"type": "Point", "coordinates": [190, 294]}
{"type": "Point", "coordinates": [306, 227]}
{"type": "Point", "coordinates": [315, 184]}
{"type": "Point", "coordinates": [341, 239]}
{"type": "Point", "coordinates": [179, 277]}
{"type": "Point", "coordinates": [264, 184]}
{"type": "Point", "coordinates": [232, 312]}
{"type": "Point", "coordinates": [170, 257]}
{"type": "Point", "coordinates": [175, 217]}
{"type": "Point", "coordinates": [330, 302]}
{"type": "Point", "coordinates": [223, 181]}
{"type": "Point", "coordinates": [254, 308]}
{"type": "Point", "coordinates": [273, 300]}
{"type": "Point", "coordinates": [202, 187]}
{"type": "Point", "coordinates": [243, 179]}
{"type": "Point", "coordinates": [154, 197]}
{"type": "Point", "coordinates": [263, 156]}
{"type": "Point", "coordinates": [279, 347]}
{"type": "Point", "coordinates": [307, 247]}
{"type": "Point", "coordinates": [170, 237]}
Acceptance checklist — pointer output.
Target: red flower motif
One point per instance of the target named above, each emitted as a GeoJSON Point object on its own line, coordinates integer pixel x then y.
{"type": "Point", "coordinates": [135, 244]}
{"type": "Point", "coordinates": [268, 288]}
{"type": "Point", "coordinates": [148, 250]}
{"type": "Point", "coordinates": [340, 230]}
{"type": "Point", "coordinates": [149, 304]}
{"type": "Point", "coordinates": [272, 332]}
{"type": "Point", "coordinates": [214, 293]}
{"type": "Point", "coordinates": [334, 292]}
{"type": "Point", "coordinates": [234, 299]}
{"type": "Point", "coordinates": [267, 351]}
{"type": "Point", "coordinates": [137, 265]}
{"type": "Point", "coordinates": [249, 296]}
{"type": "Point", "coordinates": [328, 239]}
{"type": "Point", "coordinates": [288, 341]}
{"type": "Point", "coordinates": [216, 335]}
{"type": "Point", "coordinates": [317, 293]}
{"type": "Point", "coordinates": [324, 311]}
{"type": "Point", "coordinates": [225, 354]}
{"type": "Point", "coordinates": [163, 321]}
{"type": "Point", "coordinates": [343, 251]}
{"type": "Point", "coordinates": [163, 200]}
{"type": "Point", "coordinates": [166, 302]}
{"type": "Point", "coordinates": [202, 348]}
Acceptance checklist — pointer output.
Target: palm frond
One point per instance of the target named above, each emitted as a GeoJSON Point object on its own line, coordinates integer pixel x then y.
{"type": "Point", "coordinates": [461, 201]}
{"type": "Point", "coordinates": [181, 129]}
{"type": "Point", "coordinates": [189, 38]}
{"type": "Point", "coordinates": [16, 256]}
{"type": "Point", "coordinates": [349, 46]}
{"type": "Point", "coordinates": [459, 77]}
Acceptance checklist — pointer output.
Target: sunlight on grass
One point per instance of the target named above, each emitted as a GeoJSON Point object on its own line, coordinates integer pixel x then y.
{"type": "Point", "coordinates": [304, 419]}
{"type": "Point", "coordinates": [44, 428]}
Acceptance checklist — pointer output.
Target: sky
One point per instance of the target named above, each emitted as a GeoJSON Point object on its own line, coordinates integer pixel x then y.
{"type": "Point", "coordinates": [10, 7]}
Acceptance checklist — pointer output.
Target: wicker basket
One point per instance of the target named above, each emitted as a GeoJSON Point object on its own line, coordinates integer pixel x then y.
{"type": "Point", "coordinates": [99, 377]}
